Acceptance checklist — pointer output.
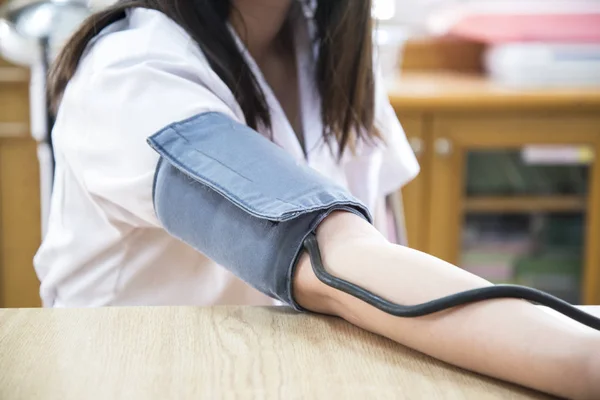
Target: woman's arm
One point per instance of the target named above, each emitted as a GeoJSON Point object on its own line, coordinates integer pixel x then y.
{"type": "Point", "coordinates": [511, 340]}
{"type": "Point", "coordinates": [252, 213]}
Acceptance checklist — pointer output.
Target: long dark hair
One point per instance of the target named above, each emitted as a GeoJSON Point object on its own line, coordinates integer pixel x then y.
{"type": "Point", "coordinates": [344, 67]}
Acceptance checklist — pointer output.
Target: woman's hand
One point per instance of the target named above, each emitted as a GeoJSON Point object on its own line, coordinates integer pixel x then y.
{"type": "Point", "coordinates": [508, 339]}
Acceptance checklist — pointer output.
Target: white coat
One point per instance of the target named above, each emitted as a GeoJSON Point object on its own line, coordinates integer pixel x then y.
{"type": "Point", "coordinates": [104, 244]}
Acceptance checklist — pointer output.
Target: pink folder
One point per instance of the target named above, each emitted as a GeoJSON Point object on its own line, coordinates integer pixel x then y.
{"type": "Point", "coordinates": [557, 28]}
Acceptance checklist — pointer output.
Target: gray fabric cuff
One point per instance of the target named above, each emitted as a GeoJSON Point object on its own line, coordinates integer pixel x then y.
{"type": "Point", "coordinates": [241, 200]}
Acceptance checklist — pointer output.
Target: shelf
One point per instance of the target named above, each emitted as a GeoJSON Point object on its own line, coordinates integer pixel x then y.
{"type": "Point", "coordinates": [451, 91]}
{"type": "Point", "coordinates": [518, 204]}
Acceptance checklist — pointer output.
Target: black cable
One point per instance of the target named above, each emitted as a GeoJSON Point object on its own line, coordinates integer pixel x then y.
{"type": "Point", "coordinates": [470, 296]}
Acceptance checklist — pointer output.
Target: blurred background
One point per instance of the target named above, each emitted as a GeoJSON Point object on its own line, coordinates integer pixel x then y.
{"type": "Point", "coordinates": [500, 100]}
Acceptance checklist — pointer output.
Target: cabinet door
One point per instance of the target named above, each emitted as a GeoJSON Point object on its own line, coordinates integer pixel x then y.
{"type": "Point", "coordinates": [515, 199]}
{"type": "Point", "coordinates": [20, 231]}
{"type": "Point", "coordinates": [413, 194]}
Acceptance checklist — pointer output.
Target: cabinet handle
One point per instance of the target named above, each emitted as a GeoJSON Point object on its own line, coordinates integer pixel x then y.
{"type": "Point", "coordinates": [417, 145]}
{"type": "Point", "coordinates": [443, 147]}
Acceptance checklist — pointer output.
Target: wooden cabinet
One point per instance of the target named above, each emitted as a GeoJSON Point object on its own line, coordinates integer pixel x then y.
{"type": "Point", "coordinates": [414, 194]}
{"type": "Point", "coordinates": [19, 193]}
{"type": "Point", "coordinates": [510, 181]}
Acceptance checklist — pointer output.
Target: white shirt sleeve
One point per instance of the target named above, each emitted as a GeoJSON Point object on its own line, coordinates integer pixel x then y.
{"type": "Point", "coordinates": [114, 104]}
{"type": "Point", "coordinates": [399, 165]}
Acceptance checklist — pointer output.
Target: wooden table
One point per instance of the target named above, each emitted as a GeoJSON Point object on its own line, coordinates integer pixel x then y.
{"type": "Point", "coordinates": [214, 353]}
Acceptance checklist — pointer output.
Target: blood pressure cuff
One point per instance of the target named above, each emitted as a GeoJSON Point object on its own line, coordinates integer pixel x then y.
{"type": "Point", "coordinates": [241, 200]}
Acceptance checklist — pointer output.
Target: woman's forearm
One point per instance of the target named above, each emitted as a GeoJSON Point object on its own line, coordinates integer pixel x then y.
{"type": "Point", "coordinates": [507, 339]}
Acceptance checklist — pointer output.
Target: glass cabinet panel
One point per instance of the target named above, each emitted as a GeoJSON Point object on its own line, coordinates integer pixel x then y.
{"type": "Point", "coordinates": [533, 170]}
{"type": "Point", "coordinates": [524, 217]}
{"type": "Point", "coordinates": [541, 250]}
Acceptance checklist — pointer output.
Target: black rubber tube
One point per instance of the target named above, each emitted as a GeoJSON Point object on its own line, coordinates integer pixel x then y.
{"type": "Point", "coordinates": [470, 296]}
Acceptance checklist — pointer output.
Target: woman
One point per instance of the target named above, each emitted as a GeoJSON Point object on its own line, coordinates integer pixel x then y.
{"type": "Point", "coordinates": [206, 83]}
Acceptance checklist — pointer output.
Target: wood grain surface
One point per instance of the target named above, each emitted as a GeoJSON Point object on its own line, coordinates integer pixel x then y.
{"type": "Point", "coordinates": [217, 353]}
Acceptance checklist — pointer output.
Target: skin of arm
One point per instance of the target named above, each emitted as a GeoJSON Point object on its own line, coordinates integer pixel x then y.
{"type": "Point", "coordinates": [511, 340]}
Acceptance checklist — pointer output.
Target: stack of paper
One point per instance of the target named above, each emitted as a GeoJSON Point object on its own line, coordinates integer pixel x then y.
{"type": "Point", "coordinates": [530, 42]}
